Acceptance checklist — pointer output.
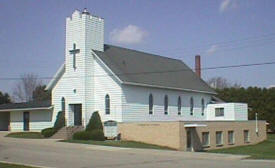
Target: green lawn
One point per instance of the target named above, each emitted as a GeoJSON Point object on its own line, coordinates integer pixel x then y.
{"type": "Point", "coordinates": [27, 135]}
{"type": "Point", "coordinates": [263, 150]}
{"type": "Point", "coordinates": [6, 165]}
{"type": "Point", "coordinates": [124, 144]}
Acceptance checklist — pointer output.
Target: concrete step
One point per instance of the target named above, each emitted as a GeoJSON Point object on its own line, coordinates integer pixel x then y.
{"type": "Point", "coordinates": [67, 132]}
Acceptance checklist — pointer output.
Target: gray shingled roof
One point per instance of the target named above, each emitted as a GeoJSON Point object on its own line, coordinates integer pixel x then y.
{"type": "Point", "coordinates": [33, 104]}
{"type": "Point", "coordinates": [133, 66]}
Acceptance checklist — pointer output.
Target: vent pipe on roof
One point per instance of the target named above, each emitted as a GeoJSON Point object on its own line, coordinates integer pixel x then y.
{"type": "Point", "coordinates": [198, 65]}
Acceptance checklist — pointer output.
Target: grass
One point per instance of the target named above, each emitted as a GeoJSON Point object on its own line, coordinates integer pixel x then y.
{"type": "Point", "coordinates": [124, 144]}
{"type": "Point", "coordinates": [6, 165]}
{"type": "Point", "coordinates": [263, 150]}
{"type": "Point", "coordinates": [27, 135]}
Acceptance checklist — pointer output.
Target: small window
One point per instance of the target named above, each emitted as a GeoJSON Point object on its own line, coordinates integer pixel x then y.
{"type": "Point", "coordinates": [63, 104]}
{"type": "Point", "coordinates": [165, 104]}
{"type": "Point", "coordinates": [219, 138]}
{"type": "Point", "coordinates": [231, 138]}
{"type": "Point", "coordinates": [107, 104]}
{"type": "Point", "coordinates": [246, 136]}
{"type": "Point", "coordinates": [151, 102]}
{"type": "Point", "coordinates": [219, 112]}
{"type": "Point", "coordinates": [179, 105]}
{"type": "Point", "coordinates": [191, 105]}
{"type": "Point", "coordinates": [205, 139]}
{"type": "Point", "coordinates": [202, 107]}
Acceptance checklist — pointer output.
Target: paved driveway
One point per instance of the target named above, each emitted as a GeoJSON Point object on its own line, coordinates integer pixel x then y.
{"type": "Point", "coordinates": [49, 153]}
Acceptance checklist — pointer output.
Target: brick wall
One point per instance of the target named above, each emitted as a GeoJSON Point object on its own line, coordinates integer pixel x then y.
{"type": "Point", "coordinates": [173, 134]}
{"type": "Point", "coordinates": [158, 133]}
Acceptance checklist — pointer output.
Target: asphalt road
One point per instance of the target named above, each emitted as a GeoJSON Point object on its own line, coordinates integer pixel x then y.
{"type": "Point", "coordinates": [49, 153]}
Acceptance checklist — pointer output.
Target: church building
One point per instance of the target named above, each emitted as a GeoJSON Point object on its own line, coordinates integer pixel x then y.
{"type": "Point", "coordinates": [154, 99]}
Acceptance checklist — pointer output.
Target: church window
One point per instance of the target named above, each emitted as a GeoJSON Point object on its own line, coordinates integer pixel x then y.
{"type": "Point", "coordinates": [107, 104]}
{"type": "Point", "coordinates": [179, 105]}
{"type": "Point", "coordinates": [165, 104]}
{"type": "Point", "coordinates": [151, 102]}
{"type": "Point", "coordinates": [63, 104]}
{"type": "Point", "coordinates": [202, 106]}
{"type": "Point", "coordinates": [191, 106]}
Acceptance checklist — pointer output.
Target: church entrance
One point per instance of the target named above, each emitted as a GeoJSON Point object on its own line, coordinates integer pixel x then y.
{"type": "Point", "coordinates": [77, 113]}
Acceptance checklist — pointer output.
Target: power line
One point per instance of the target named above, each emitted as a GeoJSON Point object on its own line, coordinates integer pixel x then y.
{"type": "Point", "coordinates": [230, 42]}
{"type": "Point", "coordinates": [158, 72]}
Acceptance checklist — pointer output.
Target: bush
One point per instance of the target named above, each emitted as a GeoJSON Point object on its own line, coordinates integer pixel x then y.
{"type": "Point", "coordinates": [94, 123]}
{"type": "Point", "coordinates": [60, 120]}
{"type": "Point", "coordinates": [97, 135]}
{"type": "Point", "coordinates": [82, 135]}
{"type": "Point", "coordinates": [48, 132]}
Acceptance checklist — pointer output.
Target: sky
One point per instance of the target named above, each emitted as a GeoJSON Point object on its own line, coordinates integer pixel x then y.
{"type": "Point", "coordinates": [223, 32]}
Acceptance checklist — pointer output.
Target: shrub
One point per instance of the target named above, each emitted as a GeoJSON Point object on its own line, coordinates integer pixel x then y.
{"type": "Point", "coordinates": [94, 123]}
{"type": "Point", "coordinates": [60, 120]}
{"type": "Point", "coordinates": [98, 135]}
{"type": "Point", "coordinates": [82, 135]}
{"type": "Point", "coordinates": [48, 132]}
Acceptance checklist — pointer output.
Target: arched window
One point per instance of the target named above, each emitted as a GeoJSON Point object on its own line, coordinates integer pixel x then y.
{"type": "Point", "coordinates": [202, 106]}
{"type": "Point", "coordinates": [63, 104]}
{"type": "Point", "coordinates": [151, 102]}
{"type": "Point", "coordinates": [179, 105]}
{"type": "Point", "coordinates": [191, 105]}
{"type": "Point", "coordinates": [165, 104]}
{"type": "Point", "coordinates": [107, 104]}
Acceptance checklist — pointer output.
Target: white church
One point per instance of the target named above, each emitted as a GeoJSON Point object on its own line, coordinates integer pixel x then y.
{"type": "Point", "coordinates": [123, 85]}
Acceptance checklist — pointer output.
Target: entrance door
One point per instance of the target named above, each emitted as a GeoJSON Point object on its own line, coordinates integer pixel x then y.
{"type": "Point", "coordinates": [189, 144]}
{"type": "Point", "coordinates": [77, 114]}
{"type": "Point", "coordinates": [26, 119]}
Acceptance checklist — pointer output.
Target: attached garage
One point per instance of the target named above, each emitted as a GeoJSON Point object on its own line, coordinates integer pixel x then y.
{"type": "Point", "coordinates": [4, 121]}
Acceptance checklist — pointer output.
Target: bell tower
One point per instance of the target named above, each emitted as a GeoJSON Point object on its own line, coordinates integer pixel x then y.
{"type": "Point", "coordinates": [84, 33]}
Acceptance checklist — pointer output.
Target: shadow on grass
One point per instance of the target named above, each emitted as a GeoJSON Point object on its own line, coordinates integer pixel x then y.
{"type": "Point", "coordinates": [123, 144]}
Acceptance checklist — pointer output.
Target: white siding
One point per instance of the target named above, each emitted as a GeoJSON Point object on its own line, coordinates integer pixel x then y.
{"type": "Point", "coordinates": [241, 111]}
{"type": "Point", "coordinates": [135, 105]}
{"type": "Point", "coordinates": [39, 120]}
{"type": "Point", "coordinates": [232, 111]}
{"type": "Point", "coordinates": [87, 33]}
{"type": "Point", "coordinates": [105, 83]}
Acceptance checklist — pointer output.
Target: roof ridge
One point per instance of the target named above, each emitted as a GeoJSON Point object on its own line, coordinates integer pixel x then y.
{"type": "Point", "coordinates": [144, 52]}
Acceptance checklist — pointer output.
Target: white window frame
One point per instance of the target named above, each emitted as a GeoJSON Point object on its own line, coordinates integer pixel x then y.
{"type": "Point", "coordinates": [221, 144]}
{"type": "Point", "coordinates": [218, 109]}
{"type": "Point", "coordinates": [246, 139]}
{"type": "Point", "coordinates": [233, 137]}
{"type": "Point", "coordinates": [208, 137]}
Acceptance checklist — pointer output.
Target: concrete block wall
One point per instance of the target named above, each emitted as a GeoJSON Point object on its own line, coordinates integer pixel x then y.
{"type": "Point", "coordinates": [173, 133]}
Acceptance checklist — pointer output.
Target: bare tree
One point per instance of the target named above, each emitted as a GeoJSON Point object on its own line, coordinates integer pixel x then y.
{"type": "Point", "coordinates": [221, 83]}
{"type": "Point", "coordinates": [23, 90]}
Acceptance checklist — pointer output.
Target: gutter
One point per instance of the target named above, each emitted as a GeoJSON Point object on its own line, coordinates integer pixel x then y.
{"type": "Point", "coordinates": [27, 109]}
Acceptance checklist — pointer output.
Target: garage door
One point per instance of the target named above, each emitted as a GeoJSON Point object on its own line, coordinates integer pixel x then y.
{"type": "Point", "coordinates": [4, 121]}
